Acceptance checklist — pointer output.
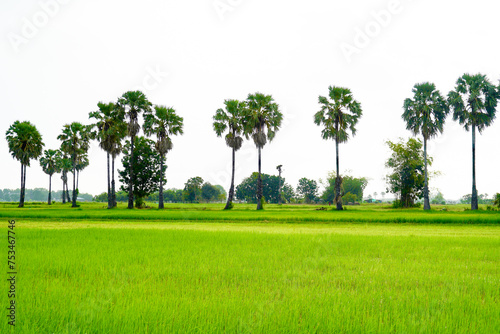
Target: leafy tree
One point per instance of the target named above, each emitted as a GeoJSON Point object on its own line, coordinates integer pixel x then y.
{"type": "Point", "coordinates": [350, 185]}
{"type": "Point", "coordinates": [173, 195]}
{"type": "Point", "coordinates": [146, 170]}
{"type": "Point", "coordinates": [164, 123]}
{"type": "Point", "coordinates": [75, 142]}
{"type": "Point", "coordinates": [231, 120]}
{"type": "Point", "coordinates": [339, 115]}
{"type": "Point", "coordinates": [211, 193]}
{"type": "Point", "coordinates": [247, 189]}
{"type": "Point", "coordinates": [308, 189]}
{"type": "Point", "coordinates": [192, 189]}
{"type": "Point", "coordinates": [25, 143]}
{"type": "Point", "coordinates": [496, 200]}
{"type": "Point", "coordinates": [109, 129]}
{"type": "Point", "coordinates": [474, 103]}
{"type": "Point", "coordinates": [262, 121]}
{"type": "Point", "coordinates": [425, 114]}
{"type": "Point", "coordinates": [287, 193]}
{"type": "Point", "coordinates": [132, 104]}
{"type": "Point", "coordinates": [438, 199]}
{"type": "Point", "coordinates": [49, 166]}
{"type": "Point", "coordinates": [407, 178]}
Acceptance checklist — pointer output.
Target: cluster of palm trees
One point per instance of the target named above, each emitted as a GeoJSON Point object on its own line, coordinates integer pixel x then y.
{"type": "Point", "coordinates": [473, 102]}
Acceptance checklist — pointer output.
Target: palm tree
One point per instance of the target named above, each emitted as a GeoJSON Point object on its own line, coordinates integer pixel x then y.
{"type": "Point", "coordinates": [280, 169]}
{"type": "Point", "coordinates": [230, 119]}
{"type": "Point", "coordinates": [110, 129]}
{"type": "Point", "coordinates": [75, 142]}
{"type": "Point", "coordinates": [81, 163]}
{"type": "Point", "coordinates": [474, 102]}
{"type": "Point", "coordinates": [262, 114]}
{"type": "Point", "coordinates": [64, 166]}
{"type": "Point", "coordinates": [132, 103]}
{"type": "Point", "coordinates": [425, 114]}
{"type": "Point", "coordinates": [49, 166]}
{"type": "Point", "coordinates": [25, 143]}
{"type": "Point", "coordinates": [163, 122]}
{"type": "Point", "coordinates": [339, 114]}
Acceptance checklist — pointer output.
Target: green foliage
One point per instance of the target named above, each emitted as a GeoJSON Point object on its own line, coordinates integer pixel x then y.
{"type": "Point", "coordinates": [339, 114]}
{"type": "Point", "coordinates": [349, 198]}
{"type": "Point", "coordinates": [210, 193]}
{"type": "Point", "coordinates": [496, 200]}
{"type": "Point", "coordinates": [24, 141]}
{"type": "Point", "coordinates": [308, 189]}
{"type": "Point", "coordinates": [438, 199]}
{"type": "Point", "coordinates": [407, 178]}
{"type": "Point", "coordinates": [192, 190]}
{"type": "Point", "coordinates": [482, 199]}
{"type": "Point", "coordinates": [146, 169]}
{"type": "Point", "coordinates": [232, 120]}
{"type": "Point", "coordinates": [247, 189]}
{"type": "Point", "coordinates": [350, 184]}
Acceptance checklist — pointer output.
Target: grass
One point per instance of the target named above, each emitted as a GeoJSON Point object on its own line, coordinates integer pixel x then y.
{"type": "Point", "coordinates": [146, 272]}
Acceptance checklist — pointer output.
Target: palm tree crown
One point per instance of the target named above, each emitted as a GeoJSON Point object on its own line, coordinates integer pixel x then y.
{"type": "Point", "coordinates": [262, 113]}
{"type": "Point", "coordinates": [25, 142]}
{"type": "Point", "coordinates": [163, 122]}
{"type": "Point", "coordinates": [230, 119]}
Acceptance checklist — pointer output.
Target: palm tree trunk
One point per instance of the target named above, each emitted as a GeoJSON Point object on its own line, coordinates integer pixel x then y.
{"type": "Point", "coordinates": [474, 205]}
{"type": "Point", "coordinates": [63, 194]}
{"type": "Point", "coordinates": [427, 205]}
{"type": "Point", "coordinates": [49, 202]}
{"type": "Point", "coordinates": [77, 177]}
{"type": "Point", "coordinates": [160, 195]}
{"type": "Point", "coordinates": [113, 194]}
{"type": "Point", "coordinates": [229, 203]}
{"type": "Point", "coordinates": [279, 187]}
{"type": "Point", "coordinates": [21, 193]}
{"type": "Point", "coordinates": [338, 180]}
{"type": "Point", "coordinates": [73, 203]}
{"type": "Point", "coordinates": [259, 186]}
{"type": "Point", "coordinates": [68, 199]}
{"type": "Point", "coordinates": [131, 175]}
{"type": "Point", "coordinates": [110, 205]}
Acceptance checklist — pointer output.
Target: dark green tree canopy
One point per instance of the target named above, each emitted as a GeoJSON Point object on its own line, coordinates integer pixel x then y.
{"type": "Point", "coordinates": [262, 114]}
{"type": "Point", "coordinates": [339, 114]}
{"type": "Point", "coordinates": [247, 189]}
{"type": "Point", "coordinates": [426, 113]}
{"type": "Point", "coordinates": [131, 104]}
{"type": "Point", "coordinates": [474, 101]}
{"type": "Point", "coordinates": [49, 162]}
{"type": "Point", "coordinates": [192, 189]}
{"type": "Point", "coordinates": [25, 142]}
{"type": "Point", "coordinates": [308, 189]}
{"type": "Point", "coordinates": [164, 123]}
{"type": "Point", "coordinates": [109, 127]}
{"type": "Point", "coordinates": [407, 164]}
{"type": "Point", "coordinates": [146, 169]}
{"type": "Point", "coordinates": [232, 120]}
{"type": "Point", "coordinates": [351, 185]}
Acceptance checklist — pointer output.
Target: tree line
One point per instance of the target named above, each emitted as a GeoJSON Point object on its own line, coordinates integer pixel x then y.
{"type": "Point", "coordinates": [473, 102]}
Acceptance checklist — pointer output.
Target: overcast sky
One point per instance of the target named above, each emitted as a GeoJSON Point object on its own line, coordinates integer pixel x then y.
{"type": "Point", "coordinates": [60, 57]}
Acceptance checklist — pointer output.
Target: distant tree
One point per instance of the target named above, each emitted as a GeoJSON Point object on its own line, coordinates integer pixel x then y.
{"type": "Point", "coordinates": [192, 189]}
{"type": "Point", "coordinates": [308, 189]}
{"type": "Point", "coordinates": [247, 189]}
{"type": "Point", "coordinates": [280, 169]}
{"type": "Point", "coordinates": [262, 121]}
{"type": "Point", "coordinates": [64, 166]}
{"type": "Point", "coordinates": [132, 104]}
{"type": "Point", "coordinates": [75, 142]}
{"type": "Point", "coordinates": [25, 143]}
{"type": "Point", "coordinates": [109, 129]}
{"type": "Point", "coordinates": [173, 195]}
{"type": "Point", "coordinates": [164, 123]}
{"type": "Point", "coordinates": [407, 178]}
{"type": "Point", "coordinates": [49, 166]}
{"type": "Point", "coordinates": [339, 115]}
{"type": "Point", "coordinates": [474, 103]}
{"type": "Point", "coordinates": [222, 195]}
{"type": "Point", "coordinates": [350, 185]}
{"type": "Point", "coordinates": [425, 114]}
{"type": "Point", "coordinates": [231, 119]}
{"type": "Point", "coordinates": [496, 200]}
{"type": "Point", "coordinates": [438, 199]}
{"type": "Point", "coordinates": [210, 193]}
{"type": "Point", "coordinates": [287, 193]}
{"type": "Point", "coordinates": [102, 197]}
{"type": "Point", "coordinates": [146, 171]}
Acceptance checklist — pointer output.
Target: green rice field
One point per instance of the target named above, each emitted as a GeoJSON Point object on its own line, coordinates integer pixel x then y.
{"type": "Point", "coordinates": [287, 269]}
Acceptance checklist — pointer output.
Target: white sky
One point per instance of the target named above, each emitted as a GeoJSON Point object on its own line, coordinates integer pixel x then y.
{"type": "Point", "coordinates": [70, 54]}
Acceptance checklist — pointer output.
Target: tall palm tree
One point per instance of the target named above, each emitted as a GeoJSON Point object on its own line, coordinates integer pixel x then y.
{"type": "Point", "coordinates": [164, 123]}
{"type": "Point", "coordinates": [262, 114]}
{"type": "Point", "coordinates": [81, 163]}
{"type": "Point", "coordinates": [64, 166]}
{"type": "Point", "coordinates": [474, 103]}
{"type": "Point", "coordinates": [425, 114]}
{"type": "Point", "coordinates": [339, 115]}
{"type": "Point", "coordinates": [25, 143]}
{"type": "Point", "coordinates": [132, 104]}
{"type": "Point", "coordinates": [75, 142]}
{"type": "Point", "coordinates": [109, 130]}
{"type": "Point", "coordinates": [49, 166]}
{"type": "Point", "coordinates": [230, 119]}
